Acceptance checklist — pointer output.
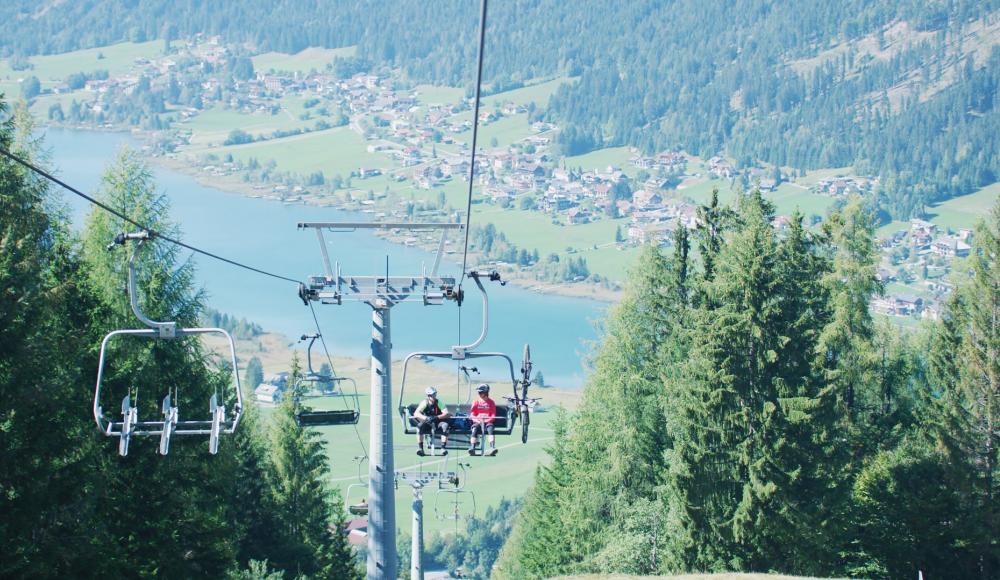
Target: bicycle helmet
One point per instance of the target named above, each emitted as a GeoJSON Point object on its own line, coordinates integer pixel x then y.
{"type": "Point", "coordinates": [431, 392]}
{"type": "Point", "coordinates": [483, 388]}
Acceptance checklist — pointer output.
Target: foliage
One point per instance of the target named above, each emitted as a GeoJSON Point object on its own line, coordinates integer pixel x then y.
{"type": "Point", "coordinates": [74, 508]}
{"type": "Point", "coordinates": [475, 549]}
{"type": "Point", "coordinates": [744, 413]}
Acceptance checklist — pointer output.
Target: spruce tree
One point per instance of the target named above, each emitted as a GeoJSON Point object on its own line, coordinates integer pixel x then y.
{"type": "Point", "coordinates": [738, 458]}
{"type": "Point", "coordinates": [187, 492]}
{"type": "Point", "coordinates": [47, 439]}
{"type": "Point", "coordinates": [308, 524]}
{"type": "Point", "coordinates": [969, 365]}
{"type": "Point", "coordinates": [537, 547]}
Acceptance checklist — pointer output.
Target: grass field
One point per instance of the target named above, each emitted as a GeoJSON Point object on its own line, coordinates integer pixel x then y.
{"type": "Point", "coordinates": [333, 151]}
{"type": "Point", "coordinates": [437, 95]}
{"type": "Point", "coordinates": [118, 59]}
{"type": "Point", "coordinates": [302, 62]}
{"type": "Point", "coordinates": [600, 159]}
{"type": "Point", "coordinates": [960, 212]}
{"type": "Point", "coordinates": [211, 127]}
{"type": "Point", "coordinates": [537, 93]}
{"type": "Point", "coordinates": [506, 131]}
{"type": "Point", "coordinates": [490, 478]}
{"type": "Point", "coordinates": [965, 211]}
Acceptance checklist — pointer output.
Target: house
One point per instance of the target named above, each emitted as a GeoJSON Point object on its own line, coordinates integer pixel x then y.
{"type": "Point", "coordinates": [884, 275]}
{"type": "Point", "coordinates": [561, 174]}
{"type": "Point", "coordinates": [650, 233]}
{"type": "Point", "coordinates": [767, 185]}
{"type": "Point", "coordinates": [641, 162]}
{"type": "Point", "coordinates": [267, 393]}
{"type": "Point", "coordinates": [365, 172]}
{"type": "Point", "coordinates": [781, 223]}
{"type": "Point", "coordinates": [644, 200]}
{"type": "Point", "coordinates": [721, 168]}
{"type": "Point", "coordinates": [577, 215]}
{"type": "Point", "coordinates": [357, 532]}
{"type": "Point", "coordinates": [951, 247]}
{"type": "Point", "coordinates": [278, 379]}
{"type": "Point", "coordinates": [897, 305]}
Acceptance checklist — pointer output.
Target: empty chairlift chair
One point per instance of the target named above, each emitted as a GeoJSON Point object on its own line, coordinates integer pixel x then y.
{"type": "Point", "coordinates": [310, 417]}
{"type": "Point", "coordinates": [214, 425]}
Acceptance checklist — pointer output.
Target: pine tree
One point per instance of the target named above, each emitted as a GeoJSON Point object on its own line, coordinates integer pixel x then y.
{"type": "Point", "coordinates": [186, 491]}
{"type": "Point", "coordinates": [969, 364]}
{"type": "Point", "coordinates": [306, 510]}
{"type": "Point", "coordinates": [47, 440]}
{"type": "Point", "coordinates": [254, 374]}
{"type": "Point", "coordinates": [741, 451]}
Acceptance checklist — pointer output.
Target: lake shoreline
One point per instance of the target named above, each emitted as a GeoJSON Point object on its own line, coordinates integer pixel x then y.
{"type": "Point", "coordinates": [234, 185]}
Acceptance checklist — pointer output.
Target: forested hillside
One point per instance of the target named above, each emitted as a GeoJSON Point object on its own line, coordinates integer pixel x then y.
{"type": "Point", "coordinates": [72, 508]}
{"type": "Point", "coordinates": [745, 413]}
{"type": "Point", "coordinates": [900, 90]}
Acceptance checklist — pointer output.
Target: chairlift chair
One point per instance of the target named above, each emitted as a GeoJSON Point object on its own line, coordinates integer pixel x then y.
{"type": "Point", "coordinates": [460, 427]}
{"type": "Point", "coordinates": [357, 508]}
{"type": "Point", "coordinates": [309, 417]}
{"type": "Point", "coordinates": [130, 425]}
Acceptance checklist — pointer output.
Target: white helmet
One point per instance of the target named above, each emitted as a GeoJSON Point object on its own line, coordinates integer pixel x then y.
{"type": "Point", "coordinates": [431, 392]}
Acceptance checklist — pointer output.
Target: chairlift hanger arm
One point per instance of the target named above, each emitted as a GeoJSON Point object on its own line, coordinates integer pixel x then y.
{"type": "Point", "coordinates": [459, 351]}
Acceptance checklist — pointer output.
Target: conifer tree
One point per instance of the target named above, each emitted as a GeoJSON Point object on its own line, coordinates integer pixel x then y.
{"type": "Point", "coordinates": [308, 528]}
{"type": "Point", "coordinates": [47, 442]}
{"type": "Point", "coordinates": [537, 547]}
{"type": "Point", "coordinates": [845, 348]}
{"type": "Point", "coordinates": [186, 489]}
{"type": "Point", "coordinates": [738, 459]}
{"type": "Point", "coordinates": [969, 364]}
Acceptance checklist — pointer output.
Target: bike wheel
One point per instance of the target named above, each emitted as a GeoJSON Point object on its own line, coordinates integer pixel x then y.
{"type": "Point", "coordinates": [524, 425]}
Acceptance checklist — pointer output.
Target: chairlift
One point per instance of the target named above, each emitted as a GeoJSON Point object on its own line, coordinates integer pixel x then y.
{"type": "Point", "coordinates": [360, 507]}
{"type": "Point", "coordinates": [310, 417]}
{"type": "Point", "coordinates": [452, 501]}
{"type": "Point", "coordinates": [218, 423]}
{"type": "Point", "coordinates": [460, 427]}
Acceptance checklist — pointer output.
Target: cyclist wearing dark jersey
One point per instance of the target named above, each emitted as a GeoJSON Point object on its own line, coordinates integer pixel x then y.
{"type": "Point", "coordinates": [431, 417]}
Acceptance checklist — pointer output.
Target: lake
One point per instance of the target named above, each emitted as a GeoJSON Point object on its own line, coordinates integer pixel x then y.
{"type": "Point", "coordinates": [263, 233]}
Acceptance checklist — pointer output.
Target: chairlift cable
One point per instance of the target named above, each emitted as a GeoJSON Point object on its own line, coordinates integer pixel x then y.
{"type": "Point", "coordinates": [475, 133]}
{"type": "Point", "coordinates": [322, 341]}
{"type": "Point", "coordinates": [122, 216]}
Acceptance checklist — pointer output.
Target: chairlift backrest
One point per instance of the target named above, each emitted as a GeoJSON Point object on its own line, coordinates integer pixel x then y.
{"type": "Point", "coordinates": [170, 425]}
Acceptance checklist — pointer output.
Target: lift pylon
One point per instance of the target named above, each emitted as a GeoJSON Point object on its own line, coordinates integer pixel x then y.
{"type": "Point", "coordinates": [381, 293]}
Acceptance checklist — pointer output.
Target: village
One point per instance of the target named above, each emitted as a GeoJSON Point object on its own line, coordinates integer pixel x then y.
{"type": "Point", "coordinates": [424, 146]}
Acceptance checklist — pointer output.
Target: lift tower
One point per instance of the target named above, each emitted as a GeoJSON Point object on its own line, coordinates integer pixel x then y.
{"type": "Point", "coordinates": [381, 293]}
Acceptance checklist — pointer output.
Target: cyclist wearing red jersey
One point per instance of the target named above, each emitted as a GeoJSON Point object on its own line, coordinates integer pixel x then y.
{"type": "Point", "coordinates": [483, 413]}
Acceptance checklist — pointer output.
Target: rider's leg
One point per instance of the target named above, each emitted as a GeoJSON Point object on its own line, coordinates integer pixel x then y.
{"type": "Point", "coordinates": [443, 426]}
{"type": "Point", "coordinates": [472, 437]}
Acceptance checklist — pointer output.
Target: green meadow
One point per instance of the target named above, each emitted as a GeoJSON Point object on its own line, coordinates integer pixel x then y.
{"type": "Point", "coordinates": [332, 151]}
{"type": "Point", "coordinates": [489, 478]}
{"type": "Point", "coordinates": [117, 59]}
{"type": "Point", "coordinates": [301, 62]}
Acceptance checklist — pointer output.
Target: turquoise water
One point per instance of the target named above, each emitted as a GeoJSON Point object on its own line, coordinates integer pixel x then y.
{"type": "Point", "coordinates": [263, 233]}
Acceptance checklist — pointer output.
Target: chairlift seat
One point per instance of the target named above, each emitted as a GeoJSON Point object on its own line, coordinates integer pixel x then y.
{"type": "Point", "coordinates": [460, 423]}
{"type": "Point", "coordinates": [331, 417]}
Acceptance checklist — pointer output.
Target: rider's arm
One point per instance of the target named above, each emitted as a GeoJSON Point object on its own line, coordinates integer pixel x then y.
{"type": "Point", "coordinates": [444, 411]}
{"type": "Point", "coordinates": [419, 412]}
{"type": "Point", "coordinates": [491, 413]}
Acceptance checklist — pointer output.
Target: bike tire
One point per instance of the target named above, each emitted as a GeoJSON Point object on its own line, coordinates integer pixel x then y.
{"type": "Point", "coordinates": [525, 419]}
